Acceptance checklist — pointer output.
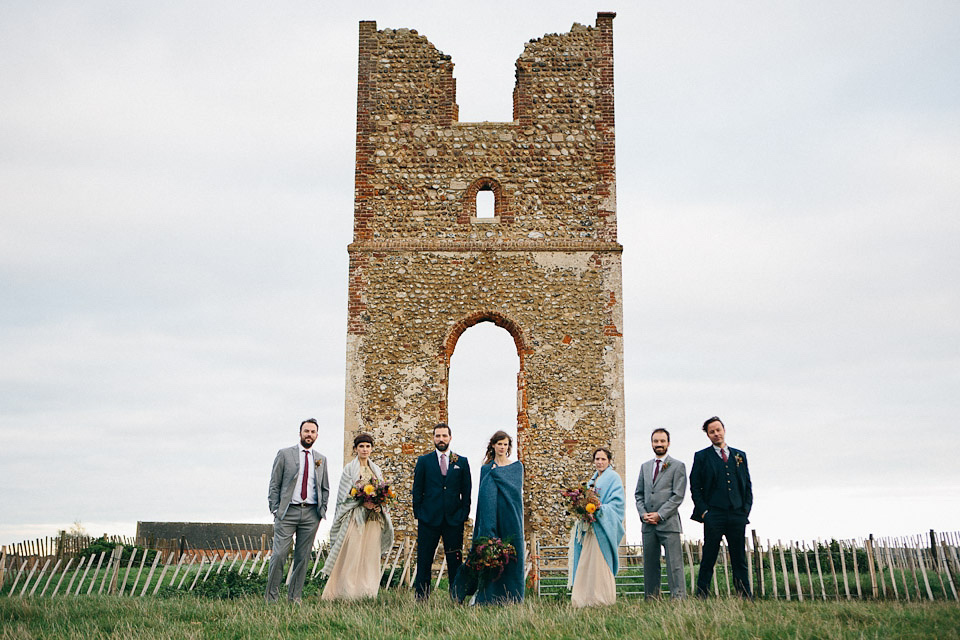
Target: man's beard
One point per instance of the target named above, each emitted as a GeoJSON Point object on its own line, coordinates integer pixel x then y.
{"type": "Point", "coordinates": [659, 450]}
{"type": "Point", "coordinates": [305, 444]}
{"type": "Point", "coordinates": [441, 446]}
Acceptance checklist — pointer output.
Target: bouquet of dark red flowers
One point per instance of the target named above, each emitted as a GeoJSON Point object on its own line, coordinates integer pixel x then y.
{"type": "Point", "coordinates": [583, 503]}
{"type": "Point", "coordinates": [489, 557]}
{"type": "Point", "coordinates": [371, 494]}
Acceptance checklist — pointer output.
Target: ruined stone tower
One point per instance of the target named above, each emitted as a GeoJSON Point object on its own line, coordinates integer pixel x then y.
{"type": "Point", "coordinates": [545, 267]}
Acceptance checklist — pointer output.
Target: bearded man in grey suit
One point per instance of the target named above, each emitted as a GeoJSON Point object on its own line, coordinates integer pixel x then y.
{"type": "Point", "coordinates": [660, 490]}
{"type": "Point", "coordinates": [298, 501]}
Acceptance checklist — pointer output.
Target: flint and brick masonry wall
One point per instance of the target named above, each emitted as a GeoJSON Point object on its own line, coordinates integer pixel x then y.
{"type": "Point", "coordinates": [546, 267]}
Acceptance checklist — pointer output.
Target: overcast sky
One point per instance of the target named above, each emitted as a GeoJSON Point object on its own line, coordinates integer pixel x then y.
{"type": "Point", "coordinates": [176, 198]}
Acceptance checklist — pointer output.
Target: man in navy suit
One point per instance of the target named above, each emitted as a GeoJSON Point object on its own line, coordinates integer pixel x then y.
{"type": "Point", "coordinates": [722, 499]}
{"type": "Point", "coordinates": [441, 504]}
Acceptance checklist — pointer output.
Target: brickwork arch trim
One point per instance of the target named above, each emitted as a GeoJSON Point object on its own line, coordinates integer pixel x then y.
{"type": "Point", "coordinates": [501, 208]}
{"type": "Point", "coordinates": [516, 331]}
{"type": "Point", "coordinates": [496, 318]}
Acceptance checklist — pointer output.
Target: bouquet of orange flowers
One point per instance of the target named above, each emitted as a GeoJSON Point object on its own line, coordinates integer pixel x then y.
{"type": "Point", "coordinates": [372, 495]}
{"type": "Point", "coordinates": [583, 503]}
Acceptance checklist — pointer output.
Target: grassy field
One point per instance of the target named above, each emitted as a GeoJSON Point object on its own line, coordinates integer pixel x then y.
{"type": "Point", "coordinates": [397, 615]}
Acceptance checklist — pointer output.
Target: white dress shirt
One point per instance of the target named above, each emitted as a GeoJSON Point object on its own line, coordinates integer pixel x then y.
{"type": "Point", "coordinates": [311, 479]}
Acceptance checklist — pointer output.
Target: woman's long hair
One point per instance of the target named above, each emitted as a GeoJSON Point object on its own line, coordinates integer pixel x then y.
{"type": "Point", "coordinates": [494, 439]}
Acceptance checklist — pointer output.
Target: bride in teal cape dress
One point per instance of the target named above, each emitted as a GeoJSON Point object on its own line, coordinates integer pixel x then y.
{"type": "Point", "coordinates": [499, 515]}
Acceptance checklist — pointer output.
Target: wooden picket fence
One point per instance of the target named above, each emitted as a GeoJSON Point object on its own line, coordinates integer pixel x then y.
{"type": "Point", "coordinates": [924, 567]}
{"type": "Point", "coordinates": [172, 565]}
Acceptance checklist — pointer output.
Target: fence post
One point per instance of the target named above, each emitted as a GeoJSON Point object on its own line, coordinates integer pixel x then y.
{"type": "Point", "coordinates": [83, 561]}
{"type": "Point", "coordinates": [773, 570]}
{"type": "Point", "coordinates": [880, 560]}
{"type": "Point", "coordinates": [535, 548]}
{"type": "Point", "coordinates": [26, 582]}
{"type": "Point", "coordinates": [843, 569]}
{"type": "Point", "coordinates": [796, 571]}
{"type": "Point", "coordinates": [39, 577]}
{"type": "Point", "coordinates": [106, 571]}
{"type": "Point", "coordinates": [783, 568]}
{"type": "Point", "coordinates": [816, 557]}
{"type": "Point", "coordinates": [856, 566]}
{"type": "Point", "coordinates": [408, 549]}
{"type": "Point", "coordinates": [757, 563]}
{"type": "Point", "coordinates": [868, 543]}
{"type": "Point", "coordinates": [53, 572]}
{"type": "Point", "coordinates": [153, 567]}
{"type": "Point", "coordinates": [136, 580]}
{"type": "Point", "coordinates": [806, 562]}
{"type": "Point", "coordinates": [126, 574]}
{"type": "Point", "coordinates": [934, 560]}
{"type": "Point", "coordinates": [163, 572]}
{"type": "Point", "coordinates": [923, 568]}
{"type": "Point", "coordinates": [396, 559]}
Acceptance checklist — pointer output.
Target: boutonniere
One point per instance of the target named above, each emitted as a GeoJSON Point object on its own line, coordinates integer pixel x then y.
{"type": "Point", "coordinates": [738, 459]}
{"type": "Point", "coordinates": [666, 465]}
{"type": "Point", "coordinates": [453, 458]}
{"type": "Point", "coordinates": [317, 463]}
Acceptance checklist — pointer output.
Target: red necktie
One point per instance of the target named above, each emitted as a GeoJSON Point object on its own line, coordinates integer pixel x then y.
{"type": "Point", "coordinates": [656, 471]}
{"type": "Point", "coordinates": [443, 463]}
{"type": "Point", "coordinates": [723, 454]}
{"type": "Point", "coordinates": [306, 472]}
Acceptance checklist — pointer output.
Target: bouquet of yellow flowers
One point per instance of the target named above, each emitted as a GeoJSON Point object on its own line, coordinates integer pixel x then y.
{"type": "Point", "coordinates": [372, 495]}
{"type": "Point", "coordinates": [583, 503]}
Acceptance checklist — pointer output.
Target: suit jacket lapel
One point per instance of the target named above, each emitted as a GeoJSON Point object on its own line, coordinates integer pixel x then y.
{"type": "Point", "coordinates": [663, 466]}
{"type": "Point", "coordinates": [716, 460]}
{"type": "Point", "coordinates": [316, 472]}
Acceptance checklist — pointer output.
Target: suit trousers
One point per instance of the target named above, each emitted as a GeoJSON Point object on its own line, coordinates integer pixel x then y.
{"type": "Point", "coordinates": [427, 539]}
{"type": "Point", "coordinates": [303, 523]}
{"type": "Point", "coordinates": [732, 525]}
{"type": "Point", "coordinates": [653, 539]}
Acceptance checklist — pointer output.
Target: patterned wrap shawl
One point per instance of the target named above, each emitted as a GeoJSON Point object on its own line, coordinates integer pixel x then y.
{"type": "Point", "coordinates": [609, 526]}
{"type": "Point", "coordinates": [348, 507]}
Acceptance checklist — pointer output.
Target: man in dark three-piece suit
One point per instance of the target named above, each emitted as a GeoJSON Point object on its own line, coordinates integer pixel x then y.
{"type": "Point", "coordinates": [722, 499]}
{"type": "Point", "coordinates": [660, 489]}
{"type": "Point", "coordinates": [441, 504]}
{"type": "Point", "coordinates": [297, 498]}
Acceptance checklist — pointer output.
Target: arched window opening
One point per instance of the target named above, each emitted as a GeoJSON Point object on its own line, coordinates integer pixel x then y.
{"type": "Point", "coordinates": [486, 204]}
{"type": "Point", "coordinates": [482, 393]}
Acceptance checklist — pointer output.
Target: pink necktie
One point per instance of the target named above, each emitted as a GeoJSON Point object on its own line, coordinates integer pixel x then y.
{"type": "Point", "coordinates": [443, 463]}
{"type": "Point", "coordinates": [306, 472]}
{"type": "Point", "coordinates": [723, 454]}
{"type": "Point", "coordinates": [656, 471]}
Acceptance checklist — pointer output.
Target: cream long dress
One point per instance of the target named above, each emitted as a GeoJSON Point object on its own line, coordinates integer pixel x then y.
{"type": "Point", "coordinates": [356, 572]}
{"type": "Point", "coordinates": [594, 584]}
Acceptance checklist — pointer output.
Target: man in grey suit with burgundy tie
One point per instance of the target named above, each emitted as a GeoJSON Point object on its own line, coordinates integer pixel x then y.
{"type": "Point", "coordinates": [660, 490]}
{"type": "Point", "coordinates": [298, 501]}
